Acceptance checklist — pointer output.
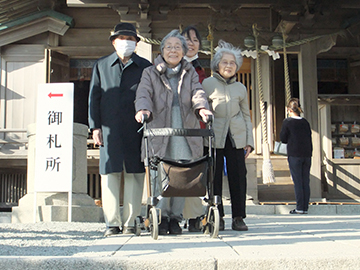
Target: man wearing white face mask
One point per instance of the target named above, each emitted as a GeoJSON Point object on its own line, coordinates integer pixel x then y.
{"type": "Point", "coordinates": [113, 88]}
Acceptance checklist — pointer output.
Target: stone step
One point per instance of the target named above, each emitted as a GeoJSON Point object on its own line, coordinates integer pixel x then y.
{"type": "Point", "coordinates": [278, 192]}
{"type": "Point", "coordinates": [281, 171]}
{"type": "Point", "coordinates": [281, 177]}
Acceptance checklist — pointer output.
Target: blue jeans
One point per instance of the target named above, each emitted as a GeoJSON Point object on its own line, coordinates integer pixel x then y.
{"type": "Point", "coordinates": [300, 173]}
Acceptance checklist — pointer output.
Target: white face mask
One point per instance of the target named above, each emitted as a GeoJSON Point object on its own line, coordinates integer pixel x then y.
{"type": "Point", "coordinates": [124, 48]}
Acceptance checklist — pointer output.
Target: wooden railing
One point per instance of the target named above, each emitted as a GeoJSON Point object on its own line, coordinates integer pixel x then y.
{"type": "Point", "coordinates": [90, 141]}
{"type": "Point", "coordinates": [12, 140]}
{"type": "Point", "coordinates": [12, 187]}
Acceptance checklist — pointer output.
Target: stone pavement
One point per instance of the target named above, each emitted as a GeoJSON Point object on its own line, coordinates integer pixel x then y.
{"type": "Point", "coordinates": [274, 241]}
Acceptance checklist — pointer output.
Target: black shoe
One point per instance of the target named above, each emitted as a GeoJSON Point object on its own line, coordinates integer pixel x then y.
{"type": "Point", "coordinates": [194, 225]}
{"type": "Point", "coordinates": [238, 224]}
{"type": "Point", "coordinates": [222, 224]}
{"type": "Point", "coordinates": [298, 212]}
{"type": "Point", "coordinates": [174, 227]}
{"type": "Point", "coordinates": [112, 231]}
{"type": "Point", "coordinates": [164, 226]}
{"type": "Point", "coordinates": [128, 230]}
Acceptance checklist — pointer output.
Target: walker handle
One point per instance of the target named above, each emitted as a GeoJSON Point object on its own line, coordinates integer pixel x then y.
{"type": "Point", "coordinates": [144, 118]}
{"type": "Point", "coordinates": [209, 119]}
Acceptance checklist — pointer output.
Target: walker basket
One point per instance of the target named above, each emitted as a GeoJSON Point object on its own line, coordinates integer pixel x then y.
{"type": "Point", "coordinates": [183, 178]}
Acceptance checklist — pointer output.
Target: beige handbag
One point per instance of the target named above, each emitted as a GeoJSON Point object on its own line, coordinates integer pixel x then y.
{"type": "Point", "coordinates": [280, 148]}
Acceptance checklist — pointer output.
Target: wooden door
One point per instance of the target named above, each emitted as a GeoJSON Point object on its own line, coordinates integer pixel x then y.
{"type": "Point", "coordinates": [58, 67]}
{"type": "Point", "coordinates": [244, 76]}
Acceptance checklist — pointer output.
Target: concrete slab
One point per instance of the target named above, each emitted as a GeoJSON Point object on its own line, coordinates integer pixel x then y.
{"type": "Point", "coordinates": [323, 209]}
{"type": "Point", "coordinates": [5, 217]}
{"type": "Point", "coordinates": [348, 209]}
{"type": "Point", "coordinates": [272, 242]}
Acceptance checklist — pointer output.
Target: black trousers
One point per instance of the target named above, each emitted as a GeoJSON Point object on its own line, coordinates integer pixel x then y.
{"type": "Point", "coordinates": [236, 172]}
{"type": "Point", "coordinates": [300, 174]}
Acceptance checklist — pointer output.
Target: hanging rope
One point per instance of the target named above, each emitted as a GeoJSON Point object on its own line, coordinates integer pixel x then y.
{"type": "Point", "coordinates": [267, 169]}
{"type": "Point", "coordinates": [149, 40]}
{"type": "Point", "coordinates": [210, 37]}
{"type": "Point", "coordinates": [304, 41]}
{"type": "Point", "coordinates": [286, 72]}
{"type": "Point", "coordinates": [261, 94]}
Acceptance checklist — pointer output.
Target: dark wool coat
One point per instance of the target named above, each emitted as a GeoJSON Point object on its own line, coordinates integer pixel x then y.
{"type": "Point", "coordinates": [111, 108]}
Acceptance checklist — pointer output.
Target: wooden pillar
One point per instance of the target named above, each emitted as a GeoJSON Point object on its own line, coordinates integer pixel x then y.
{"type": "Point", "coordinates": [309, 102]}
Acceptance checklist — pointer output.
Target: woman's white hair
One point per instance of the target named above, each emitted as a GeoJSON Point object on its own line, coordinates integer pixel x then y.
{"type": "Point", "coordinates": [174, 33]}
{"type": "Point", "coordinates": [225, 47]}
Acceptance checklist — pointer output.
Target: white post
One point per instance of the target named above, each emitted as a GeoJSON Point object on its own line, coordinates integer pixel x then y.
{"type": "Point", "coordinates": [70, 206]}
{"type": "Point", "coordinates": [35, 204]}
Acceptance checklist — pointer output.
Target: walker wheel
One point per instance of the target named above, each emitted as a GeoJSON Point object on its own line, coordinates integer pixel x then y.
{"type": "Point", "coordinates": [154, 223]}
{"type": "Point", "coordinates": [213, 225]}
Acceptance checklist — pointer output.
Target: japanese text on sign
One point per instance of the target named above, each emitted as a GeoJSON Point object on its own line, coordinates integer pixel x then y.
{"type": "Point", "coordinates": [54, 135]}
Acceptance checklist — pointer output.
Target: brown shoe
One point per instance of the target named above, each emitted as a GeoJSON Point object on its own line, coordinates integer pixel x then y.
{"type": "Point", "coordinates": [164, 226]}
{"type": "Point", "coordinates": [194, 225]}
{"type": "Point", "coordinates": [174, 227]}
{"type": "Point", "coordinates": [238, 224]}
{"type": "Point", "coordinates": [128, 230]}
{"type": "Point", "coordinates": [112, 231]}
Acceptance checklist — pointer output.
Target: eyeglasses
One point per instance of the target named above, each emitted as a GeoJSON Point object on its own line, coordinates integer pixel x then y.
{"type": "Point", "coordinates": [170, 48]}
{"type": "Point", "coordinates": [225, 63]}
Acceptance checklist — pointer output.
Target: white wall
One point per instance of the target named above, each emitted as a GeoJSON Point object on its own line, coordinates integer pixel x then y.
{"type": "Point", "coordinates": [22, 68]}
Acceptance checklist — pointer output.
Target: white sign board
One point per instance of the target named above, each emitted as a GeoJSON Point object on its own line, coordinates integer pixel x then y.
{"type": "Point", "coordinates": [54, 138]}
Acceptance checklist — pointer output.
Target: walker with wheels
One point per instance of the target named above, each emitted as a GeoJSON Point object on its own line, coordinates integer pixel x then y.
{"type": "Point", "coordinates": [179, 178]}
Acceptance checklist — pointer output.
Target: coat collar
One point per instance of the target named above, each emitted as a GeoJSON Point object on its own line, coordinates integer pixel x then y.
{"type": "Point", "coordinates": [114, 58]}
{"type": "Point", "coordinates": [196, 63]}
{"type": "Point", "coordinates": [160, 64]}
{"type": "Point", "coordinates": [220, 78]}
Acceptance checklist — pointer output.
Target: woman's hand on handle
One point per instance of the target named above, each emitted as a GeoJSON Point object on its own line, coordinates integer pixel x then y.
{"type": "Point", "coordinates": [139, 115]}
{"type": "Point", "coordinates": [204, 114]}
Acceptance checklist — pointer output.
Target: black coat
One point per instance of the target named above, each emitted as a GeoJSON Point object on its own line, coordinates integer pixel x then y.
{"type": "Point", "coordinates": [111, 108]}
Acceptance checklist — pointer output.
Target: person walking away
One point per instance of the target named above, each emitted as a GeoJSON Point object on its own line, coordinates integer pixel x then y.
{"type": "Point", "coordinates": [232, 127]}
{"type": "Point", "coordinates": [172, 97]}
{"type": "Point", "coordinates": [113, 87]}
{"type": "Point", "coordinates": [296, 133]}
{"type": "Point", "coordinates": [193, 208]}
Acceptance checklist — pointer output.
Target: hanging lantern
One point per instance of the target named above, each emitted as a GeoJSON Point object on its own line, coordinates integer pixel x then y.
{"type": "Point", "coordinates": [277, 41]}
{"type": "Point", "coordinates": [249, 41]}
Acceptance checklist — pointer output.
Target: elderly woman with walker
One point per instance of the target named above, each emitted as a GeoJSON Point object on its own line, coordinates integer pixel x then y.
{"type": "Point", "coordinates": [171, 96]}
